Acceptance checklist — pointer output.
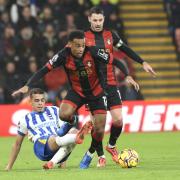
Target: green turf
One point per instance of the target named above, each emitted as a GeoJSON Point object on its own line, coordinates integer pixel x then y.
{"type": "Point", "coordinates": [159, 159]}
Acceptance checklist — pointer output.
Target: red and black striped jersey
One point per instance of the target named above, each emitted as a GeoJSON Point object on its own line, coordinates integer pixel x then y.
{"type": "Point", "coordinates": [104, 40]}
{"type": "Point", "coordinates": [82, 72]}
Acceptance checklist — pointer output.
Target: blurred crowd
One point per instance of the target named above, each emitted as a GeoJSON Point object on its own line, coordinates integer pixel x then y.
{"type": "Point", "coordinates": [32, 31]}
{"type": "Point", "coordinates": [173, 9]}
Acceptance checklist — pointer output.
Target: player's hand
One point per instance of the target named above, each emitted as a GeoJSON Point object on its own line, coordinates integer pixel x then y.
{"type": "Point", "coordinates": [7, 168]}
{"type": "Point", "coordinates": [130, 80]}
{"type": "Point", "coordinates": [149, 69]}
{"type": "Point", "coordinates": [22, 90]}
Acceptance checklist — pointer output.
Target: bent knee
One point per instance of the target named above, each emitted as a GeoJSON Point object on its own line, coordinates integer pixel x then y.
{"type": "Point", "coordinates": [118, 122]}
{"type": "Point", "coordinates": [65, 116]}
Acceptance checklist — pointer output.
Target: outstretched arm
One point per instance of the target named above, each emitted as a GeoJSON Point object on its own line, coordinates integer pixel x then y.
{"type": "Point", "coordinates": [137, 58]}
{"type": "Point", "coordinates": [14, 152]}
{"type": "Point", "coordinates": [118, 43]}
{"type": "Point", "coordinates": [34, 78]}
{"type": "Point", "coordinates": [55, 61]}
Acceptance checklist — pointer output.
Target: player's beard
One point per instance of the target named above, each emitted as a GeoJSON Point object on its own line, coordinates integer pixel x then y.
{"type": "Point", "coordinates": [98, 28]}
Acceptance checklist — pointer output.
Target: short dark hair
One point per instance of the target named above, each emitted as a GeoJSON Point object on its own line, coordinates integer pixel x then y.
{"type": "Point", "coordinates": [77, 34]}
{"type": "Point", "coordinates": [36, 91]}
{"type": "Point", "coordinates": [96, 10]}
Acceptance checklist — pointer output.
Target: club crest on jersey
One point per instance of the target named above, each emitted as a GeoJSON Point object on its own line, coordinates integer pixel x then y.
{"type": "Point", "coordinates": [108, 41]}
{"type": "Point", "coordinates": [89, 64]}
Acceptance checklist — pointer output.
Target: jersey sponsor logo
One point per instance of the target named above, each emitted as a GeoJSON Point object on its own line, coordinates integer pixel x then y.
{"type": "Point", "coordinates": [103, 54]}
{"type": "Point", "coordinates": [83, 73]}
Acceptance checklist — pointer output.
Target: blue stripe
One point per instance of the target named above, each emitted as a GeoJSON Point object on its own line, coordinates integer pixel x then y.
{"type": "Point", "coordinates": [49, 114]}
{"type": "Point", "coordinates": [55, 112]}
{"type": "Point", "coordinates": [33, 115]}
{"type": "Point", "coordinates": [20, 133]}
{"type": "Point", "coordinates": [28, 126]}
{"type": "Point", "coordinates": [50, 130]}
{"type": "Point", "coordinates": [42, 117]}
{"type": "Point", "coordinates": [42, 132]}
{"type": "Point", "coordinates": [55, 129]}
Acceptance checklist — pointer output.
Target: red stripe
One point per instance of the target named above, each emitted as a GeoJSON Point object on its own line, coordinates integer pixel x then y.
{"type": "Point", "coordinates": [92, 75]}
{"type": "Point", "coordinates": [90, 38]}
{"type": "Point", "coordinates": [108, 43]}
{"type": "Point", "coordinates": [98, 90]}
{"type": "Point", "coordinates": [108, 40]}
{"type": "Point", "coordinates": [74, 76]}
{"type": "Point", "coordinates": [99, 111]}
{"type": "Point", "coordinates": [69, 102]}
{"type": "Point", "coordinates": [115, 107]}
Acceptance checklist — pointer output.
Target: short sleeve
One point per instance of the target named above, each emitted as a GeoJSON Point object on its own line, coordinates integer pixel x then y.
{"type": "Point", "coordinates": [22, 127]}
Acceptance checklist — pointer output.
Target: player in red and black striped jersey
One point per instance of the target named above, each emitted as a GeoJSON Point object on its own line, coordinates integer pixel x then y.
{"type": "Point", "coordinates": [82, 71]}
{"type": "Point", "coordinates": [98, 37]}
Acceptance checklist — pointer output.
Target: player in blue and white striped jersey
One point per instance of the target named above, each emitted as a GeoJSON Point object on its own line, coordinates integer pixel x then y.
{"type": "Point", "coordinates": [41, 125]}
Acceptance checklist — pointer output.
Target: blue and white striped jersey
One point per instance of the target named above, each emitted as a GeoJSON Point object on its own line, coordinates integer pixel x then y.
{"type": "Point", "coordinates": [38, 124]}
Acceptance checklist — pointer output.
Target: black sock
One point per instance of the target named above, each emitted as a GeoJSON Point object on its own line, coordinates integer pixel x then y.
{"type": "Point", "coordinates": [114, 134]}
{"type": "Point", "coordinates": [99, 149]}
{"type": "Point", "coordinates": [92, 148]}
{"type": "Point", "coordinates": [96, 145]}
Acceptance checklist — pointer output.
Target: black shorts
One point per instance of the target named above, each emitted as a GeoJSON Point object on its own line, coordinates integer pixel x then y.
{"type": "Point", "coordinates": [113, 98]}
{"type": "Point", "coordinates": [96, 106]}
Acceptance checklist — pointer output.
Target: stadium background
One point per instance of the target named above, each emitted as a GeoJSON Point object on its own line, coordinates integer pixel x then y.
{"type": "Point", "coordinates": [33, 30]}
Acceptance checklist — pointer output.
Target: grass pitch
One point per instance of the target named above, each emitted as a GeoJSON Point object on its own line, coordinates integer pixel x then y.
{"type": "Point", "coordinates": [159, 160]}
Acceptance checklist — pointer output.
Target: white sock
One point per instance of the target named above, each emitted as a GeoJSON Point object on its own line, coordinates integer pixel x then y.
{"type": "Point", "coordinates": [66, 140]}
{"type": "Point", "coordinates": [62, 153]}
{"type": "Point", "coordinates": [103, 156]}
{"type": "Point", "coordinates": [110, 146]}
{"type": "Point", "coordinates": [90, 154]}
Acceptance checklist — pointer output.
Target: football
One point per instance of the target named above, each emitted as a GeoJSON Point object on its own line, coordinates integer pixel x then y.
{"type": "Point", "coordinates": [128, 158]}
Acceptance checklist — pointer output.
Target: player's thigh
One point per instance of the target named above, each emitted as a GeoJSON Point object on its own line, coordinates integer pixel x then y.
{"type": "Point", "coordinates": [42, 149]}
{"type": "Point", "coordinates": [98, 109]}
{"type": "Point", "coordinates": [98, 105]}
{"type": "Point", "coordinates": [70, 104]}
{"type": "Point", "coordinates": [52, 143]}
{"type": "Point", "coordinates": [116, 114]}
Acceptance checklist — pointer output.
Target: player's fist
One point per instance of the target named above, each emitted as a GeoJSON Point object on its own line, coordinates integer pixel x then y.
{"type": "Point", "coordinates": [22, 90]}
